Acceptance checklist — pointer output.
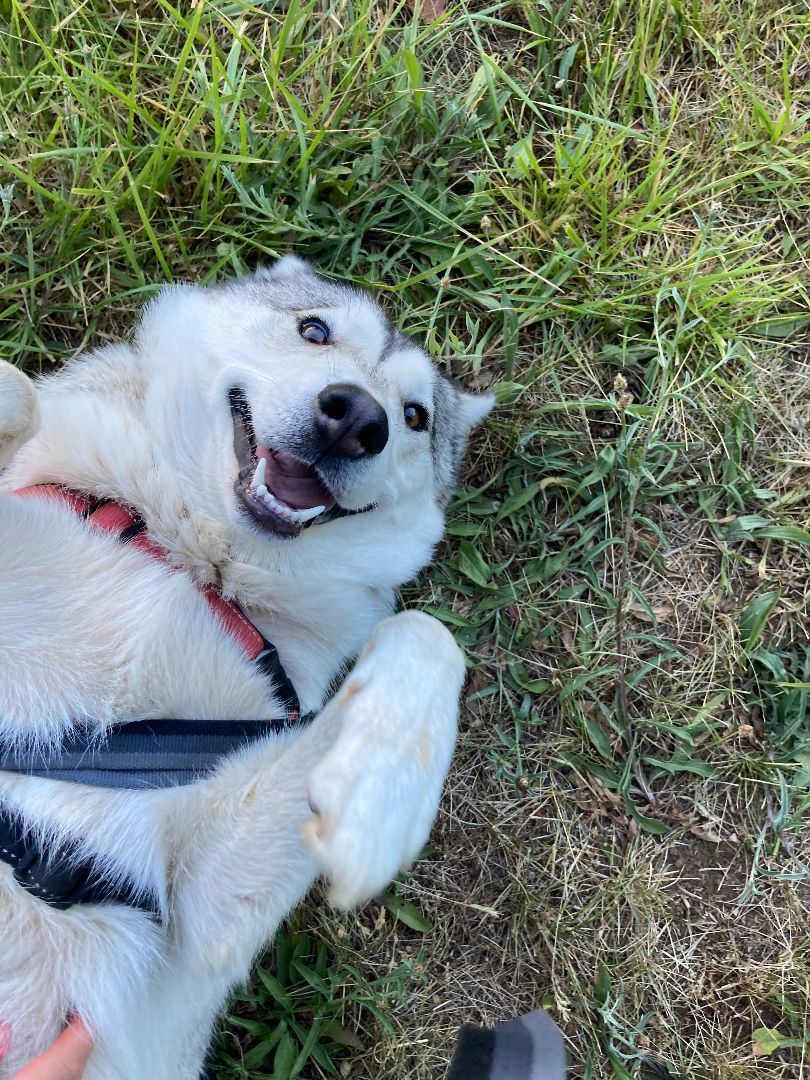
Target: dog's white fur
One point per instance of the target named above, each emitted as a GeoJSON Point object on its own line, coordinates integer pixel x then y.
{"type": "Point", "coordinates": [94, 632]}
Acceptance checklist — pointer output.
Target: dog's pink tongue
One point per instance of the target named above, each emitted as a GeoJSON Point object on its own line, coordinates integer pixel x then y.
{"type": "Point", "coordinates": [292, 481]}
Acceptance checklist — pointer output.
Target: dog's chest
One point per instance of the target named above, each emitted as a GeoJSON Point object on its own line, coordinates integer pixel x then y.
{"type": "Point", "coordinates": [91, 627]}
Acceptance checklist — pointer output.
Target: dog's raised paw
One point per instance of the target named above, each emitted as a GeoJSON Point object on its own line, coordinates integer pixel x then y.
{"type": "Point", "coordinates": [371, 816]}
{"type": "Point", "coordinates": [375, 794]}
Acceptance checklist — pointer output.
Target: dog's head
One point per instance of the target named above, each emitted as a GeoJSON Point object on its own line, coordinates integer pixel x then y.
{"type": "Point", "coordinates": [322, 438]}
{"type": "Point", "coordinates": [335, 413]}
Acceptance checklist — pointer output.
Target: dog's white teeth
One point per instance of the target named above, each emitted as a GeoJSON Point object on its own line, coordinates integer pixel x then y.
{"type": "Point", "coordinates": [307, 515]}
{"type": "Point", "coordinates": [295, 517]}
{"type": "Point", "coordinates": [260, 491]}
{"type": "Point", "coordinates": [258, 476]}
{"type": "Point", "coordinates": [272, 503]}
{"type": "Point", "coordinates": [269, 499]}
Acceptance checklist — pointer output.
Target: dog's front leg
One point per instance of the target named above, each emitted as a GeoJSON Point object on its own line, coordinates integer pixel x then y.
{"type": "Point", "coordinates": [353, 796]}
{"type": "Point", "coordinates": [375, 793]}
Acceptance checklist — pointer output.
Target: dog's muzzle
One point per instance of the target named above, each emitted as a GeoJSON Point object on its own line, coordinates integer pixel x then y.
{"type": "Point", "coordinates": [285, 494]}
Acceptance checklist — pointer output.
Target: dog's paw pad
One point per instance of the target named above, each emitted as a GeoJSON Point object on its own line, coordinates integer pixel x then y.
{"type": "Point", "coordinates": [316, 830]}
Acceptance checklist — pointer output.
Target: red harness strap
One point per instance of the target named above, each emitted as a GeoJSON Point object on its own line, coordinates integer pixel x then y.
{"type": "Point", "coordinates": [113, 518]}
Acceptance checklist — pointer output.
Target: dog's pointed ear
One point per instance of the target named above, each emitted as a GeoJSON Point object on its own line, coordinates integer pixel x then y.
{"type": "Point", "coordinates": [287, 264]}
{"type": "Point", "coordinates": [472, 408]}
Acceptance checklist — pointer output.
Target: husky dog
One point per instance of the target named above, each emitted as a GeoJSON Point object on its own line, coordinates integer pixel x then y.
{"type": "Point", "coordinates": [288, 449]}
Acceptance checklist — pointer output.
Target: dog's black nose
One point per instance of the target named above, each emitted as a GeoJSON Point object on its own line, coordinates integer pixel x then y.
{"type": "Point", "coordinates": [349, 422]}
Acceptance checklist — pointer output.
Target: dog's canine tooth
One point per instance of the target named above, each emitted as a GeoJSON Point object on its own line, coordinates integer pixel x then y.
{"type": "Point", "coordinates": [258, 476]}
{"type": "Point", "coordinates": [307, 515]}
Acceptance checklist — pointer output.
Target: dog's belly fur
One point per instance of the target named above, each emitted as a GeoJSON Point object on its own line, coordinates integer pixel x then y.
{"type": "Point", "coordinates": [85, 626]}
{"type": "Point", "coordinates": [83, 631]}
{"type": "Point", "coordinates": [89, 629]}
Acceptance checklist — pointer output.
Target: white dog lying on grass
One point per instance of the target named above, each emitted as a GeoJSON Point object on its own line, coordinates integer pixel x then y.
{"type": "Point", "coordinates": [272, 443]}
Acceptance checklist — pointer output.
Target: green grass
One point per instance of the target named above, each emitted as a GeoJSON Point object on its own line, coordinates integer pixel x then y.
{"type": "Point", "coordinates": [293, 1016]}
{"type": "Point", "coordinates": [550, 196]}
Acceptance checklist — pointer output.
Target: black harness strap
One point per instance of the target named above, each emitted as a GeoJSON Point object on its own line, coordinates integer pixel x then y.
{"type": "Point", "coordinates": [60, 875]}
{"type": "Point", "coordinates": [143, 754]}
{"type": "Point", "coordinates": [269, 663]}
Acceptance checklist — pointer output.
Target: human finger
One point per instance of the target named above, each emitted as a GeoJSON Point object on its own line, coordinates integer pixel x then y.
{"type": "Point", "coordinates": [65, 1059]}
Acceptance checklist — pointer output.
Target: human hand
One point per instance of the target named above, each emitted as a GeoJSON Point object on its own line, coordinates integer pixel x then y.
{"type": "Point", "coordinates": [65, 1060]}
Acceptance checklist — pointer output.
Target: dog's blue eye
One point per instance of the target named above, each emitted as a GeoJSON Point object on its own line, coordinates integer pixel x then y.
{"type": "Point", "coordinates": [314, 331]}
{"type": "Point", "coordinates": [416, 416]}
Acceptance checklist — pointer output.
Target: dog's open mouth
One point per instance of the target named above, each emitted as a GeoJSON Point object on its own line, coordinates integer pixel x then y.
{"type": "Point", "coordinates": [281, 493]}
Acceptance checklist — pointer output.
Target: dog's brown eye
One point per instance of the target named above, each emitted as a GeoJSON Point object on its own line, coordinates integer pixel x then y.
{"type": "Point", "coordinates": [416, 416]}
{"type": "Point", "coordinates": [314, 331]}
